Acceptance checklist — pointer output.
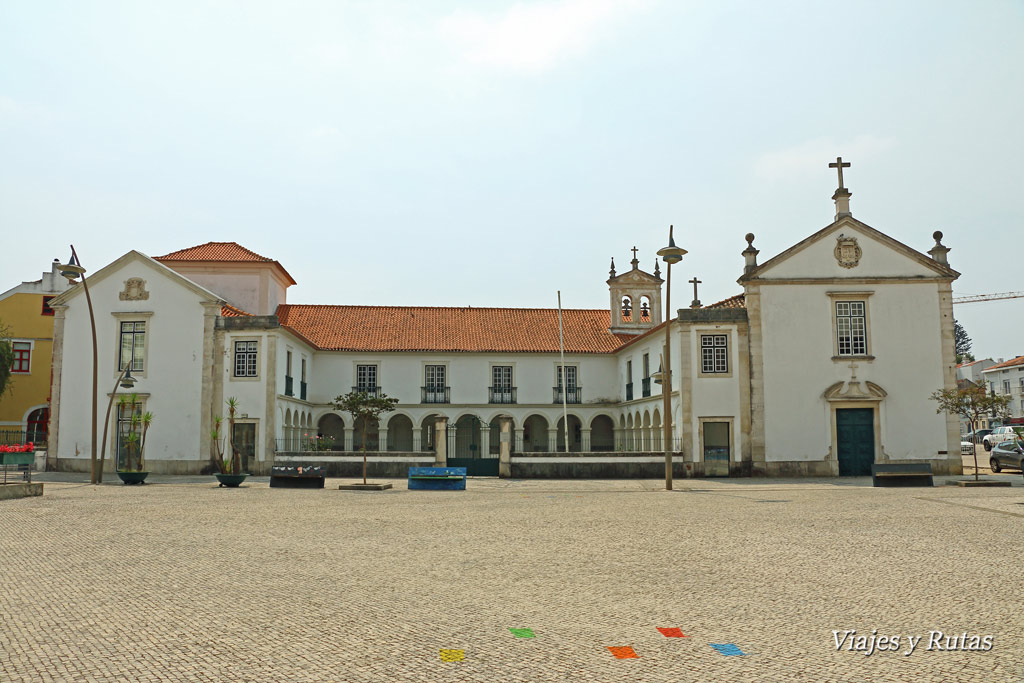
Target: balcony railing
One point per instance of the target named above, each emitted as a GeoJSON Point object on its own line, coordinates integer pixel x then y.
{"type": "Point", "coordinates": [501, 394]}
{"type": "Point", "coordinates": [372, 391]}
{"type": "Point", "coordinates": [629, 391]}
{"type": "Point", "coordinates": [572, 394]}
{"type": "Point", "coordinates": [646, 386]}
{"type": "Point", "coordinates": [302, 390]}
{"type": "Point", "coordinates": [435, 394]}
{"type": "Point", "coordinates": [288, 389]}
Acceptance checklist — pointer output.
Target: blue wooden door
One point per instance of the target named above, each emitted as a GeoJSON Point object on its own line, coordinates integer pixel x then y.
{"type": "Point", "coordinates": [855, 438]}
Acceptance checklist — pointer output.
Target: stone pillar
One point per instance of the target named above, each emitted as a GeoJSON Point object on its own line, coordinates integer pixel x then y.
{"type": "Point", "coordinates": [382, 438]}
{"type": "Point", "coordinates": [505, 447]}
{"type": "Point", "coordinates": [349, 438]}
{"type": "Point", "coordinates": [553, 440]}
{"type": "Point", "coordinates": [585, 444]}
{"type": "Point", "coordinates": [485, 441]}
{"type": "Point", "coordinates": [441, 442]}
{"type": "Point", "coordinates": [417, 439]}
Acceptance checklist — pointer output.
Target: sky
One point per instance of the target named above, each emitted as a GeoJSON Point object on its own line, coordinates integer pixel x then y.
{"type": "Point", "coordinates": [494, 153]}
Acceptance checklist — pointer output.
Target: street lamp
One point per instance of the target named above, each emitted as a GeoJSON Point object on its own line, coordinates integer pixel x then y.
{"type": "Point", "coordinates": [670, 254]}
{"type": "Point", "coordinates": [72, 270]}
{"type": "Point", "coordinates": [125, 380]}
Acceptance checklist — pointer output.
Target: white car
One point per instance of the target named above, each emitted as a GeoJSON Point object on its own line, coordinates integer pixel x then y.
{"type": "Point", "coordinates": [998, 435]}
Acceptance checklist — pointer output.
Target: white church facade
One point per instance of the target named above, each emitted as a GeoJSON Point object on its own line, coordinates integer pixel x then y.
{"type": "Point", "coordinates": [822, 365]}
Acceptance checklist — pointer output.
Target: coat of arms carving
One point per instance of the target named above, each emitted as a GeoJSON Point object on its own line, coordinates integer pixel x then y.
{"type": "Point", "coordinates": [847, 251]}
{"type": "Point", "coordinates": [134, 290]}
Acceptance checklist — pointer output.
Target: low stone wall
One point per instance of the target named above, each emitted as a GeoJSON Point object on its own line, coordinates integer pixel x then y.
{"type": "Point", "coordinates": [378, 464]}
{"type": "Point", "coordinates": [601, 465]}
{"type": "Point", "coordinates": [9, 491]}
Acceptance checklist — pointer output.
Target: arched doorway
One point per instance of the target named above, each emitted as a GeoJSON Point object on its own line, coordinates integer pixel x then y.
{"type": "Point", "coordinates": [331, 428]}
{"type": "Point", "coordinates": [466, 447]}
{"type": "Point", "coordinates": [372, 434]}
{"type": "Point", "coordinates": [535, 434]}
{"type": "Point", "coordinates": [400, 433]}
{"type": "Point", "coordinates": [575, 434]}
{"type": "Point", "coordinates": [37, 427]}
{"type": "Point", "coordinates": [602, 434]}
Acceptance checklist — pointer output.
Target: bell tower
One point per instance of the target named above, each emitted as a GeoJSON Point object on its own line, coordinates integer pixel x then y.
{"type": "Point", "coordinates": [635, 298]}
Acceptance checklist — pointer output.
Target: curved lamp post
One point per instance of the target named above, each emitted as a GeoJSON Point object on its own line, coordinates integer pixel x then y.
{"type": "Point", "coordinates": [72, 270]}
{"type": "Point", "coordinates": [670, 254]}
{"type": "Point", "coordinates": [125, 380]}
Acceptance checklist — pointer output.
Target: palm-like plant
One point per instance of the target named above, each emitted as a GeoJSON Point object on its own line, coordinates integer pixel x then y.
{"type": "Point", "coordinates": [133, 431]}
{"type": "Point", "coordinates": [233, 465]}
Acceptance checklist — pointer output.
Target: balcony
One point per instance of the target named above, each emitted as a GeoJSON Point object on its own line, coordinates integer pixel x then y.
{"type": "Point", "coordinates": [288, 389]}
{"type": "Point", "coordinates": [646, 386]}
{"type": "Point", "coordinates": [504, 395]}
{"type": "Point", "coordinates": [302, 390]}
{"type": "Point", "coordinates": [372, 391]}
{"type": "Point", "coordinates": [629, 391]}
{"type": "Point", "coordinates": [435, 394]}
{"type": "Point", "coordinates": [572, 395]}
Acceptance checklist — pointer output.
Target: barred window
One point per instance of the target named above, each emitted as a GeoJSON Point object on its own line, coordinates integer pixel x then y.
{"type": "Point", "coordinates": [714, 353]}
{"type": "Point", "coordinates": [245, 359]}
{"type": "Point", "coordinates": [851, 328]}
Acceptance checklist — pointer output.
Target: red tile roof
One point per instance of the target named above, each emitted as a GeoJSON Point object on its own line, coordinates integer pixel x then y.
{"type": "Point", "coordinates": [738, 301]}
{"type": "Point", "coordinates": [416, 328]}
{"type": "Point", "coordinates": [229, 311]}
{"type": "Point", "coordinates": [1013, 362]}
{"type": "Point", "coordinates": [230, 252]}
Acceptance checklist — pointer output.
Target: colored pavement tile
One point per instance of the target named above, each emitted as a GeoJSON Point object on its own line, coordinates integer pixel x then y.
{"type": "Point", "coordinates": [623, 652]}
{"type": "Point", "coordinates": [453, 655]}
{"type": "Point", "coordinates": [727, 649]}
{"type": "Point", "coordinates": [522, 632]}
{"type": "Point", "coordinates": [672, 632]}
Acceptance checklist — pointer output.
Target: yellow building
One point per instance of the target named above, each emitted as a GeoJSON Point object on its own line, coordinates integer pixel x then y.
{"type": "Point", "coordinates": [24, 311]}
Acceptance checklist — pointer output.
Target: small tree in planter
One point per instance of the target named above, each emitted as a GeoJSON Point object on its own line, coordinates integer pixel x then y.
{"type": "Point", "coordinates": [132, 430]}
{"type": "Point", "coordinates": [360, 404]}
{"type": "Point", "coordinates": [229, 470]}
{"type": "Point", "coordinates": [972, 403]}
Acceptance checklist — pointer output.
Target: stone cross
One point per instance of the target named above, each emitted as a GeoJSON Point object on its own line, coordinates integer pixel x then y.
{"type": "Point", "coordinates": [839, 165]}
{"type": "Point", "coordinates": [853, 370]}
{"type": "Point", "coordinates": [696, 302]}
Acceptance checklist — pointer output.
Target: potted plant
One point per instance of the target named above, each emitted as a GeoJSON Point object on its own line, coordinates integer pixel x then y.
{"type": "Point", "coordinates": [133, 425]}
{"type": "Point", "coordinates": [230, 469]}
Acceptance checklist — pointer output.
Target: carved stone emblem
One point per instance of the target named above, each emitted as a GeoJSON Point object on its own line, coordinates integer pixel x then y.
{"type": "Point", "coordinates": [847, 251]}
{"type": "Point", "coordinates": [134, 290]}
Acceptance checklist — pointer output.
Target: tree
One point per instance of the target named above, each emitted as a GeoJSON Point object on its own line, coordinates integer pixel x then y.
{"type": "Point", "coordinates": [360, 404]}
{"type": "Point", "coordinates": [972, 403]}
{"type": "Point", "coordinates": [6, 358]}
{"type": "Point", "coordinates": [962, 343]}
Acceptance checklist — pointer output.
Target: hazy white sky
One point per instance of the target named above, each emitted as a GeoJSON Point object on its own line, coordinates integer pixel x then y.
{"type": "Point", "coordinates": [491, 153]}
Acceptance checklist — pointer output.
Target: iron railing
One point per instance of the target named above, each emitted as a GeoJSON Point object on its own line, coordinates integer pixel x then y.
{"type": "Point", "coordinates": [629, 391]}
{"type": "Point", "coordinates": [14, 437]}
{"type": "Point", "coordinates": [501, 395]}
{"type": "Point", "coordinates": [646, 386]}
{"type": "Point", "coordinates": [622, 442]}
{"type": "Point", "coordinates": [435, 394]}
{"type": "Point", "coordinates": [572, 395]}
{"type": "Point", "coordinates": [289, 390]}
{"type": "Point", "coordinates": [372, 391]}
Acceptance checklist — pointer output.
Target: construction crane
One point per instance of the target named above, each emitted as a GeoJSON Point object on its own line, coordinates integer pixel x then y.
{"type": "Point", "coordinates": [986, 297]}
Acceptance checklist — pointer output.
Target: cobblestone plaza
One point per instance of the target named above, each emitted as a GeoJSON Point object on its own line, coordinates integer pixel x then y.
{"type": "Point", "coordinates": [182, 581]}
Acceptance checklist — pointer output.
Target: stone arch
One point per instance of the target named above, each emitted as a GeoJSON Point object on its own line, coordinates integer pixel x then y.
{"type": "Point", "coordinates": [428, 434]}
{"type": "Point", "coordinates": [602, 433]}
{"type": "Point", "coordinates": [657, 432]}
{"type": "Point", "coordinates": [468, 440]}
{"type": "Point", "coordinates": [535, 434]}
{"type": "Point", "coordinates": [37, 424]}
{"type": "Point", "coordinates": [629, 436]}
{"type": "Point", "coordinates": [575, 434]}
{"type": "Point", "coordinates": [400, 433]}
{"type": "Point", "coordinates": [372, 434]}
{"type": "Point", "coordinates": [627, 308]}
{"type": "Point", "coordinates": [645, 309]}
{"type": "Point", "coordinates": [332, 426]}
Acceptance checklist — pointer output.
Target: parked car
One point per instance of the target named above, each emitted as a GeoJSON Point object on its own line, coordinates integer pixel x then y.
{"type": "Point", "coordinates": [1007, 454]}
{"type": "Point", "coordinates": [998, 435]}
{"type": "Point", "coordinates": [976, 437]}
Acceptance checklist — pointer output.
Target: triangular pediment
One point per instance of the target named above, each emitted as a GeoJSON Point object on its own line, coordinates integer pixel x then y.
{"type": "Point", "coordinates": [848, 248]}
{"type": "Point", "coordinates": [635, 276]}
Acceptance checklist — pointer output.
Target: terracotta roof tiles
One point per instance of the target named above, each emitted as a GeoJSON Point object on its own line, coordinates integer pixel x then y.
{"type": "Point", "coordinates": [221, 252]}
{"type": "Point", "coordinates": [1013, 362]}
{"type": "Point", "coordinates": [738, 301]}
{"type": "Point", "coordinates": [416, 328]}
{"type": "Point", "coordinates": [229, 311]}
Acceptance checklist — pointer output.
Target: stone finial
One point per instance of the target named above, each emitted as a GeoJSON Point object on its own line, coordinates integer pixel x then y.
{"type": "Point", "coordinates": [750, 254]}
{"type": "Point", "coordinates": [939, 251]}
{"type": "Point", "coordinates": [611, 272]}
{"type": "Point", "coordinates": [657, 269]}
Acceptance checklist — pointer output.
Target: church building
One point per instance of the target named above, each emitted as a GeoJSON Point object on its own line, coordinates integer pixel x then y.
{"type": "Point", "coordinates": [822, 365]}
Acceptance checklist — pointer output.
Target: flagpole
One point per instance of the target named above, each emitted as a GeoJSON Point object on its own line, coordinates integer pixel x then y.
{"type": "Point", "coordinates": [564, 384]}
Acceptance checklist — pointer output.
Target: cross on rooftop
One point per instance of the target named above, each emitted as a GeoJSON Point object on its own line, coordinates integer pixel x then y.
{"type": "Point", "coordinates": [696, 302]}
{"type": "Point", "coordinates": [634, 252]}
{"type": "Point", "coordinates": [840, 165]}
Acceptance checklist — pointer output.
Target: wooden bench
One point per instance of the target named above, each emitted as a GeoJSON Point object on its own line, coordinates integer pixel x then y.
{"type": "Point", "coordinates": [298, 477]}
{"type": "Point", "coordinates": [437, 478]}
{"type": "Point", "coordinates": [19, 462]}
{"type": "Point", "coordinates": [906, 474]}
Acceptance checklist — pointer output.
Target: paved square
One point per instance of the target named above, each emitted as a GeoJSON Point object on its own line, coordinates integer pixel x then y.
{"type": "Point", "coordinates": [182, 581]}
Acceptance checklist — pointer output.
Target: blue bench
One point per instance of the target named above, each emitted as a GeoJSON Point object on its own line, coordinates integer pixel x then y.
{"type": "Point", "coordinates": [437, 478]}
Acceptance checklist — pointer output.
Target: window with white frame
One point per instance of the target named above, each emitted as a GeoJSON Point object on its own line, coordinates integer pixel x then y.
{"type": "Point", "coordinates": [434, 377]}
{"type": "Point", "coordinates": [246, 353]}
{"type": "Point", "coordinates": [851, 328]}
{"type": "Point", "coordinates": [714, 353]}
{"type": "Point", "coordinates": [133, 345]}
{"type": "Point", "coordinates": [571, 373]}
{"type": "Point", "coordinates": [501, 376]}
{"type": "Point", "coordinates": [366, 378]}
{"type": "Point", "coordinates": [647, 365]}
{"type": "Point", "coordinates": [22, 356]}
{"type": "Point", "coordinates": [1006, 386]}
